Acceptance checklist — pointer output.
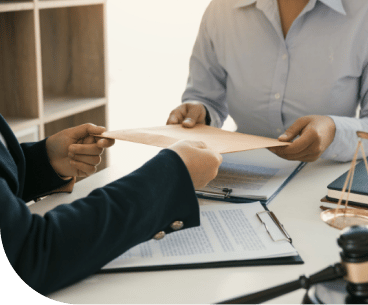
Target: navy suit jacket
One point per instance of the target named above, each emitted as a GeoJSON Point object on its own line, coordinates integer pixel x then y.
{"type": "Point", "coordinates": [75, 240]}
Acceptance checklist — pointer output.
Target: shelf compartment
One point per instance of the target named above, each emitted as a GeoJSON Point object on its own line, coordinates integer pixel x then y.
{"type": "Point", "coordinates": [58, 108]}
{"type": "Point", "coordinates": [18, 76]}
{"type": "Point", "coordinates": [18, 124]}
{"type": "Point", "coordinates": [44, 4]}
{"type": "Point", "coordinates": [11, 6]}
{"type": "Point", "coordinates": [95, 116]}
{"type": "Point", "coordinates": [72, 44]}
{"type": "Point", "coordinates": [30, 134]}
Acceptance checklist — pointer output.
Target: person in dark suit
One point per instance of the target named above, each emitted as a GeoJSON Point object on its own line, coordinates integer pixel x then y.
{"type": "Point", "coordinates": [75, 240]}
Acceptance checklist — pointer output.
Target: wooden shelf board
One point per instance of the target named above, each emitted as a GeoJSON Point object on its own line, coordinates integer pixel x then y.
{"type": "Point", "coordinates": [11, 6]}
{"type": "Point", "coordinates": [58, 108]}
{"type": "Point", "coordinates": [44, 4]}
{"type": "Point", "coordinates": [17, 124]}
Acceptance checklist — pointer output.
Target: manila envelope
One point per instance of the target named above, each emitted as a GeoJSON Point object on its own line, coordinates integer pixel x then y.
{"type": "Point", "coordinates": [217, 139]}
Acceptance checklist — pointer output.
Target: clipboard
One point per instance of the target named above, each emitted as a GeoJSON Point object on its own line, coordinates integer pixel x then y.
{"type": "Point", "coordinates": [279, 225]}
{"type": "Point", "coordinates": [226, 193]}
{"type": "Point", "coordinates": [297, 260]}
{"type": "Point", "coordinates": [273, 234]}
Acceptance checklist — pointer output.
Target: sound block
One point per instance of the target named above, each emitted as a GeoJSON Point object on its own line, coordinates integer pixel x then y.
{"type": "Point", "coordinates": [333, 292]}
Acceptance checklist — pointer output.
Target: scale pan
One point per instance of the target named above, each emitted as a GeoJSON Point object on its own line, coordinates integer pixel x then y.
{"type": "Point", "coordinates": [342, 218]}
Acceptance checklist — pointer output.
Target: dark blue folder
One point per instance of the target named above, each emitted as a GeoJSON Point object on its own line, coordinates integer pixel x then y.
{"type": "Point", "coordinates": [359, 189]}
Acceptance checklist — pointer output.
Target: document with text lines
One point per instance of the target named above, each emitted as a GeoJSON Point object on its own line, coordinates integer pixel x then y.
{"type": "Point", "coordinates": [228, 232]}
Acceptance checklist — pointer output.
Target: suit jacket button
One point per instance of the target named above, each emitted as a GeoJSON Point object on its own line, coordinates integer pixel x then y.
{"type": "Point", "coordinates": [177, 225]}
{"type": "Point", "coordinates": [159, 235]}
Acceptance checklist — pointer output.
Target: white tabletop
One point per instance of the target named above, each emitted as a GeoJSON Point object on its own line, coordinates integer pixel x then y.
{"type": "Point", "coordinates": [297, 208]}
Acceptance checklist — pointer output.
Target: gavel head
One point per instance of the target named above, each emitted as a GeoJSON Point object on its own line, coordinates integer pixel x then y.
{"type": "Point", "coordinates": [354, 244]}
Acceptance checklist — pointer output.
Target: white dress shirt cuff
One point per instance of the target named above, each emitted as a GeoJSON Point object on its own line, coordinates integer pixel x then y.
{"type": "Point", "coordinates": [345, 142]}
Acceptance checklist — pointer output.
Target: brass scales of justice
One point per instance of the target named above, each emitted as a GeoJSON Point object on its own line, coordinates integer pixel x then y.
{"type": "Point", "coordinates": [342, 217]}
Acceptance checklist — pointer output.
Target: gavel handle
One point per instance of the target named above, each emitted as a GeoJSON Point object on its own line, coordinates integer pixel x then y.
{"type": "Point", "coordinates": [328, 274]}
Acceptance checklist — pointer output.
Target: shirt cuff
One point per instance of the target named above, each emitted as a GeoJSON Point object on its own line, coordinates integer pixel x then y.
{"type": "Point", "coordinates": [345, 142]}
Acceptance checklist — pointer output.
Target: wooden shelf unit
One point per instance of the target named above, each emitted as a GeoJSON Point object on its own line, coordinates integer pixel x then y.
{"type": "Point", "coordinates": [67, 3]}
{"type": "Point", "coordinates": [53, 65]}
{"type": "Point", "coordinates": [12, 6]}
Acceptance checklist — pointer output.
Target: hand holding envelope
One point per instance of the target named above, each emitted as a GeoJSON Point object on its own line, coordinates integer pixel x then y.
{"type": "Point", "coordinates": [219, 140]}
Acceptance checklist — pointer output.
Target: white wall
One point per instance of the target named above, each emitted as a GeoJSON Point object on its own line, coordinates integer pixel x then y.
{"type": "Point", "coordinates": [149, 45]}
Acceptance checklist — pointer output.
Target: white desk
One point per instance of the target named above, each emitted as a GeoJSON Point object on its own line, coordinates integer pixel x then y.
{"type": "Point", "coordinates": [297, 207]}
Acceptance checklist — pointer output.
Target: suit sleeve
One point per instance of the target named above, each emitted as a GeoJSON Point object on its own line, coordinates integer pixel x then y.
{"type": "Point", "coordinates": [40, 177]}
{"type": "Point", "coordinates": [76, 240]}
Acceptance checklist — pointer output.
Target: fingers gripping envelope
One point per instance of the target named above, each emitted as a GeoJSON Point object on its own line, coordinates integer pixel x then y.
{"type": "Point", "coordinates": [217, 139]}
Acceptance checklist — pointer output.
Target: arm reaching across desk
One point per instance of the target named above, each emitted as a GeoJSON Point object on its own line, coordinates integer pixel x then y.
{"type": "Point", "coordinates": [75, 151]}
{"type": "Point", "coordinates": [229, 235]}
{"type": "Point", "coordinates": [204, 167]}
{"type": "Point", "coordinates": [75, 240]}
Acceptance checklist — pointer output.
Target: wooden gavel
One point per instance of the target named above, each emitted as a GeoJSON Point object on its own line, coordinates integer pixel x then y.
{"type": "Point", "coordinates": [352, 270]}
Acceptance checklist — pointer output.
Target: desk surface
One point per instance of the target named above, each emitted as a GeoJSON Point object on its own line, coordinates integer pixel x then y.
{"type": "Point", "coordinates": [296, 206]}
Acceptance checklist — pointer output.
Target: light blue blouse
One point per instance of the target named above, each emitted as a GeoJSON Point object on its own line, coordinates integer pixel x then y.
{"type": "Point", "coordinates": [243, 66]}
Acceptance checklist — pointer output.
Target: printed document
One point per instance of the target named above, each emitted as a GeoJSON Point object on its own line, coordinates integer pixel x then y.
{"type": "Point", "coordinates": [255, 174]}
{"type": "Point", "coordinates": [228, 232]}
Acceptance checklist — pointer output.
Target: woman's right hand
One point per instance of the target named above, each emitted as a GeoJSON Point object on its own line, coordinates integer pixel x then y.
{"type": "Point", "coordinates": [188, 114]}
{"type": "Point", "coordinates": [201, 162]}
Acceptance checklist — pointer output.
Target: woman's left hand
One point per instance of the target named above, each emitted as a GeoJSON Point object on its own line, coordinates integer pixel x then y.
{"type": "Point", "coordinates": [316, 133]}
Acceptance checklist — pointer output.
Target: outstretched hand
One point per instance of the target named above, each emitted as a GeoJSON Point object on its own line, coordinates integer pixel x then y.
{"type": "Point", "coordinates": [316, 133]}
{"type": "Point", "coordinates": [202, 163]}
{"type": "Point", "coordinates": [75, 152]}
{"type": "Point", "coordinates": [188, 114]}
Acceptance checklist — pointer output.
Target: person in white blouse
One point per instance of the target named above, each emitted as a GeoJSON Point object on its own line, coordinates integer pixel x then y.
{"type": "Point", "coordinates": [287, 69]}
